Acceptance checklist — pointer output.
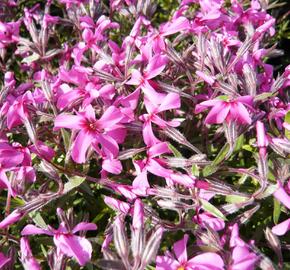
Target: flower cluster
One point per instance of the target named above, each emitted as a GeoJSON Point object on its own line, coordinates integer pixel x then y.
{"type": "Point", "coordinates": [172, 133]}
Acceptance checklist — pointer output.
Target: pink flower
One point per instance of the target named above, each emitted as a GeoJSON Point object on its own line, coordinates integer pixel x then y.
{"type": "Point", "coordinates": [9, 159]}
{"type": "Point", "coordinates": [242, 258]}
{"type": "Point", "coordinates": [204, 261]}
{"type": "Point", "coordinates": [93, 131]}
{"type": "Point", "coordinates": [66, 241]}
{"type": "Point", "coordinates": [155, 66]}
{"type": "Point", "coordinates": [9, 33]}
{"type": "Point", "coordinates": [231, 110]}
{"type": "Point", "coordinates": [170, 101]}
{"type": "Point", "coordinates": [151, 164]}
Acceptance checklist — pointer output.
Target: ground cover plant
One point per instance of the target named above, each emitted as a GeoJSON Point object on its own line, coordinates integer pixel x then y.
{"type": "Point", "coordinates": [144, 134]}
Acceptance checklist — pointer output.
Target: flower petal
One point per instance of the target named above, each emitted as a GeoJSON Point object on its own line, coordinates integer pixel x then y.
{"type": "Point", "coordinates": [74, 246]}
{"type": "Point", "coordinates": [80, 146]}
{"type": "Point", "coordinates": [180, 251]}
{"type": "Point", "coordinates": [32, 229]}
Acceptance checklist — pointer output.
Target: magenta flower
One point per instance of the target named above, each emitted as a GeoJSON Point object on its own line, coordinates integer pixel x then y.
{"type": "Point", "coordinates": [242, 258]}
{"type": "Point", "coordinates": [66, 241]}
{"type": "Point", "coordinates": [92, 131]}
{"type": "Point", "coordinates": [231, 110]}
{"type": "Point", "coordinates": [9, 159]}
{"type": "Point", "coordinates": [170, 101]}
{"type": "Point", "coordinates": [176, 25]}
{"type": "Point", "coordinates": [204, 261]}
{"type": "Point", "coordinates": [155, 66]}
{"type": "Point", "coordinates": [151, 164]}
{"type": "Point", "coordinates": [9, 33]}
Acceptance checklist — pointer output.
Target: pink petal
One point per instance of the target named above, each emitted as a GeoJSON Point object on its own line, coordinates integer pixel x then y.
{"type": "Point", "coordinates": [154, 167]}
{"type": "Point", "coordinates": [81, 145]}
{"type": "Point", "coordinates": [117, 204]}
{"type": "Point", "coordinates": [180, 251]}
{"type": "Point", "coordinates": [243, 115]}
{"type": "Point", "coordinates": [210, 260]}
{"type": "Point", "coordinates": [243, 259]}
{"type": "Point", "coordinates": [68, 98]}
{"type": "Point", "coordinates": [166, 263]}
{"type": "Point", "coordinates": [136, 78]}
{"type": "Point", "coordinates": [10, 219]}
{"type": "Point", "coordinates": [177, 25]}
{"type": "Point", "coordinates": [217, 114]}
{"type": "Point", "coordinates": [111, 117]}
{"type": "Point", "coordinates": [246, 100]}
{"type": "Point", "coordinates": [282, 228]}
{"type": "Point", "coordinates": [148, 135]}
{"type": "Point", "coordinates": [141, 184]}
{"type": "Point", "coordinates": [262, 140]}
{"type": "Point", "coordinates": [156, 66]}
{"type": "Point", "coordinates": [74, 246]}
{"type": "Point", "coordinates": [32, 229]}
{"type": "Point", "coordinates": [158, 149]}
{"type": "Point", "coordinates": [171, 101]}
{"type": "Point", "coordinates": [84, 226]}
{"type": "Point", "coordinates": [112, 165]}
{"type": "Point", "coordinates": [207, 78]}
{"type": "Point", "coordinates": [109, 145]}
{"type": "Point", "coordinates": [68, 121]}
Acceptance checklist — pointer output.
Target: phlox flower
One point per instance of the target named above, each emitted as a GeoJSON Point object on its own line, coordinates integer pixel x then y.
{"type": "Point", "coordinates": [66, 241]}
{"type": "Point", "coordinates": [204, 261]}
{"type": "Point", "coordinates": [170, 101]}
{"type": "Point", "coordinates": [93, 132]}
{"type": "Point", "coordinates": [227, 110]}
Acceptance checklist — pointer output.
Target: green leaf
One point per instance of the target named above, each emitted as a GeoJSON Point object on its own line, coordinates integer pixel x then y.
{"type": "Point", "coordinates": [276, 211]}
{"type": "Point", "coordinates": [221, 156]}
{"type": "Point", "coordinates": [239, 143]}
{"type": "Point", "coordinates": [235, 199]}
{"type": "Point", "coordinates": [38, 220]}
{"type": "Point", "coordinates": [212, 209]}
{"type": "Point", "coordinates": [195, 170]}
{"type": "Point", "coordinates": [263, 96]}
{"type": "Point", "coordinates": [73, 182]}
{"type": "Point", "coordinates": [209, 170]}
{"type": "Point", "coordinates": [176, 153]}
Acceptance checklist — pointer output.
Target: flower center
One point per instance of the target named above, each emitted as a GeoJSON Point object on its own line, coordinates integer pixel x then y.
{"type": "Point", "coordinates": [93, 126]}
{"type": "Point", "coordinates": [180, 268]}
